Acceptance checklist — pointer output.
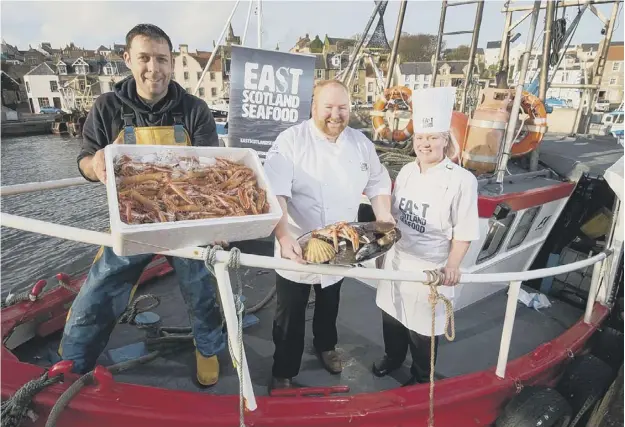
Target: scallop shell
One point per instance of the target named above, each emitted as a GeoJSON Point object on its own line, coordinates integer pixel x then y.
{"type": "Point", "coordinates": [318, 251]}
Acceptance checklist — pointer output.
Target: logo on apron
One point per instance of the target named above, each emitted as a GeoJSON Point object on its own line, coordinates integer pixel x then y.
{"type": "Point", "coordinates": [427, 122]}
{"type": "Point", "coordinates": [364, 167]}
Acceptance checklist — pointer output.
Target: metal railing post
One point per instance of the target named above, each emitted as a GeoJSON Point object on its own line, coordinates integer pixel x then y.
{"type": "Point", "coordinates": [594, 285]}
{"type": "Point", "coordinates": [230, 315]}
{"type": "Point", "coordinates": [508, 324]}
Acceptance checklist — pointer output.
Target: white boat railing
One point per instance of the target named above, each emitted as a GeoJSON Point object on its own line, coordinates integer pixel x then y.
{"type": "Point", "coordinates": [513, 279]}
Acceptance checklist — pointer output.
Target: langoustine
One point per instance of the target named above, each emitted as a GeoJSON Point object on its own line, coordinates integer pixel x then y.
{"type": "Point", "coordinates": [183, 188]}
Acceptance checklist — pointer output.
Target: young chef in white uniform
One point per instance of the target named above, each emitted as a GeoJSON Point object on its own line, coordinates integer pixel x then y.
{"type": "Point", "coordinates": [435, 205]}
{"type": "Point", "coordinates": [319, 170]}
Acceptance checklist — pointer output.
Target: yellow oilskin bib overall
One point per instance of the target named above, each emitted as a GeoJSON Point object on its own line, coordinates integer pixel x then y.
{"type": "Point", "coordinates": [113, 280]}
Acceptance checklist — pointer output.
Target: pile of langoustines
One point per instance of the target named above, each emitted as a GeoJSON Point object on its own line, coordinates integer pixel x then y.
{"type": "Point", "coordinates": [176, 188]}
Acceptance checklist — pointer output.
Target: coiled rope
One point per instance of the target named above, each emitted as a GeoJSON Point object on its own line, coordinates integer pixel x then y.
{"type": "Point", "coordinates": [15, 408]}
{"type": "Point", "coordinates": [434, 279]}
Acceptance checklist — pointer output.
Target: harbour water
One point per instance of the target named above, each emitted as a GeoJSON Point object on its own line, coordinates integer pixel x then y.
{"type": "Point", "coordinates": [28, 257]}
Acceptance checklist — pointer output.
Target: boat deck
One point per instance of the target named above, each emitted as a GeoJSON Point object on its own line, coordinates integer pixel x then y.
{"type": "Point", "coordinates": [478, 331]}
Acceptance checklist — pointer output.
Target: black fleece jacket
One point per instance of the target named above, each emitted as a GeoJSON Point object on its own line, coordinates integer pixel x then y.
{"type": "Point", "coordinates": [104, 121]}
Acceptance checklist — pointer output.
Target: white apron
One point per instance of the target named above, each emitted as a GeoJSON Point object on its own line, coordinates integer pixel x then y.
{"type": "Point", "coordinates": [422, 231]}
{"type": "Point", "coordinates": [408, 302]}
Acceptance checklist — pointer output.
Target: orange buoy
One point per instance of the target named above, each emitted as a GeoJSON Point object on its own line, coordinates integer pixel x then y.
{"type": "Point", "coordinates": [486, 130]}
{"type": "Point", "coordinates": [379, 124]}
{"type": "Point", "coordinates": [457, 136]}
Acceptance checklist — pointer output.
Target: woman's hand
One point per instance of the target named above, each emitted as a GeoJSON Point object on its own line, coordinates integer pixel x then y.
{"type": "Point", "coordinates": [452, 275]}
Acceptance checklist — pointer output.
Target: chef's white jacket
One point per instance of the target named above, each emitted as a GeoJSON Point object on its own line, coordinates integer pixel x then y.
{"type": "Point", "coordinates": [322, 181]}
{"type": "Point", "coordinates": [431, 209]}
{"type": "Point", "coordinates": [434, 207]}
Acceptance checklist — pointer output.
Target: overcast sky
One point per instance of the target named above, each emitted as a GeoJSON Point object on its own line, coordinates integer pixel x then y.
{"type": "Point", "coordinates": [90, 24]}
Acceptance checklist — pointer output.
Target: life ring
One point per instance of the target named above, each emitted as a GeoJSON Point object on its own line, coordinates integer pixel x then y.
{"type": "Point", "coordinates": [379, 125]}
{"type": "Point", "coordinates": [534, 129]}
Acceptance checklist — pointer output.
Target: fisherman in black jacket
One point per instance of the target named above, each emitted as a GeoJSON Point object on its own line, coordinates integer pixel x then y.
{"type": "Point", "coordinates": [146, 108]}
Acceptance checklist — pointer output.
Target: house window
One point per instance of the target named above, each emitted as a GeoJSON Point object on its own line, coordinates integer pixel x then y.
{"type": "Point", "coordinates": [32, 61]}
{"type": "Point", "coordinates": [201, 92]}
{"type": "Point", "coordinates": [186, 75]}
{"type": "Point", "coordinates": [370, 86]}
{"type": "Point", "coordinates": [318, 74]}
{"type": "Point", "coordinates": [428, 78]}
{"type": "Point", "coordinates": [524, 226]}
{"type": "Point", "coordinates": [616, 66]}
{"type": "Point", "coordinates": [27, 87]}
{"type": "Point", "coordinates": [62, 69]}
{"type": "Point", "coordinates": [111, 86]}
{"type": "Point", "coordinates": [213, 92]}
{"type": "Point", "coordinates": [54, 86]}
{"type": "Point", "coordinates": [613, 81]}
{"type": "Point", "coordinates": [494, 239]}
{"type": "Point", "coordinates": [212, 76]}
{"type": "Point", "coordinates": [43, 102]}
{"type": "Point", "coordinates": [355, 88]}
{"type": "Point", "coordinates": [108, 70]}
{"type": "Point", "coordinates": [81, 69]}
{"type": "Point", "coordinates": [81, 85]}
{"type": "Point", "coordinates": [184, 61]}
{"type": "Point", "coordinates": [199, 75]}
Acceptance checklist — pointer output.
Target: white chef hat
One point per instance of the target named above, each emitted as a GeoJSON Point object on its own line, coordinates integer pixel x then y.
{"type": "Point", "coordinates": [432, 109]}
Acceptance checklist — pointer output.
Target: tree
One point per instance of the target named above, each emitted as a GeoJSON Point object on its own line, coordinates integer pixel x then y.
{"type": "Point", "coordinates": [459, 53]}
{"type": "Point", "coordinates": [416, 47]}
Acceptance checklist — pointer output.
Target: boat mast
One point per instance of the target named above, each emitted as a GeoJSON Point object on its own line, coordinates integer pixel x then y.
{"type": "Point", "coordinates": [260, 24]}
{"type": "Point", "coordinates": [356, 53]}
{"type": "Point", "coordinates": [599, 65]}
{"type": "Point", "coordinates": [247, 23]}
{"type": "Point", "coordinates": [475, 33]}
{"type": "Point", "coordinates": [216, 48]}
{"type": "Point", "coordinates": [400, 24]}
{"type": "Point", "coordinates": [514, 114]}
{"type": "Point", "coordinates": [544, 72]}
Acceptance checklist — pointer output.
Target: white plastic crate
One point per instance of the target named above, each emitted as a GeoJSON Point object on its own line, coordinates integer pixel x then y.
{"type": "Point", "coordinates": [160, 237]}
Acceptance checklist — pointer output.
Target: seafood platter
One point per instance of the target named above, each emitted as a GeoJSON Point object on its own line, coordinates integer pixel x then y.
{"type": "Point", "coordinates": [169, 197]}
{"type": "Point", "coordinates": [348, 243]}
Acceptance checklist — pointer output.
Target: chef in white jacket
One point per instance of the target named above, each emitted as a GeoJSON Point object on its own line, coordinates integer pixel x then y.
{"type": "Point", "coordinates": [319, 170]}
{"type": "Point", "coordinates": [435, 205]}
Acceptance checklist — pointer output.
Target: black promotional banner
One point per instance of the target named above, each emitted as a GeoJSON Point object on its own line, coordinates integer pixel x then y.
{"type": "Point", "coordinates": [270, 91]}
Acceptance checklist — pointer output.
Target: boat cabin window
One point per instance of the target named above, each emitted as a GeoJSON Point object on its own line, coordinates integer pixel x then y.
{"type": "Point", "coordinates": [497, 233]}
{"type": "Point", "coordinates": [524, 226]}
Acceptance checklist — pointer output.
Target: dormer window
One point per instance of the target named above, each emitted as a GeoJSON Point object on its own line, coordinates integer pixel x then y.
{"type": "Point", "coordinates": [109, 70]}
{"type": "Point", "coordinates": [80, 66]}
{"type": "Point", "coordinates": [62, 69]}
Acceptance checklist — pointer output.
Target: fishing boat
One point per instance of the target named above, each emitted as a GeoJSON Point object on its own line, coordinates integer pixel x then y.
{"type": "Point", "coordinates": [538, 316]}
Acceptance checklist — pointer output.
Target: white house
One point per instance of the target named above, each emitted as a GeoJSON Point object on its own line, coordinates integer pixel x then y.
{"type": "Point", "coordinates": [113, 71]}
{"type": "Point", "coordinates": [414, 75]}
{"type": "Point", "coordinates": [42, 88]}
{"type": "Point", "coordinates": [188, 68]}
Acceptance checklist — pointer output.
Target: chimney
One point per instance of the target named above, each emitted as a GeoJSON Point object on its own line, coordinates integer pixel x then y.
{"type": "Point", "coordinates": [184, 48]}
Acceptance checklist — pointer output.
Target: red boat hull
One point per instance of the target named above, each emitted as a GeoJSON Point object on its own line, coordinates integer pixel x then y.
{"type": "Point", "coordinates": [468, 400]}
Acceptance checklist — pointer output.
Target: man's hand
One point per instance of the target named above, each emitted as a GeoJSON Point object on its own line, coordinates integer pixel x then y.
{"type": "Point", "coordinates": [452, 275]}
{"type": "Point", "coordinates": [98, 165]}
{"type": "Point", "coordinates": [290, 249]}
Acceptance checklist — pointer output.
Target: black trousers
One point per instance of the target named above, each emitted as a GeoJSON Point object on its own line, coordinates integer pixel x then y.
{"type": "Point", "coordinates": [289, 325]}
{"type": "Point", "coordinates": [397, 340]}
